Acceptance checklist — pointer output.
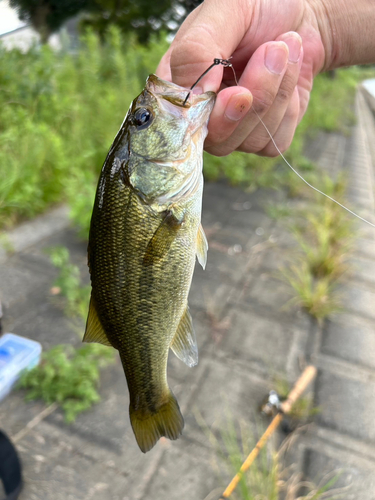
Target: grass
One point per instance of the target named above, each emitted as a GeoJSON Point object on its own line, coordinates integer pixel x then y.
{"type": "Point", "coordinates": [267, 478]}
{"type": "Point", "coordinates": [59, 113]}
{"type": "Point", "coordinates": [316, 296]}
{"type": "Point", "coordinates": [58, 116]}
{"type": "Point", "coordinates": [324, 233]}
{"type": "Point", "coordinates": [68, 376]}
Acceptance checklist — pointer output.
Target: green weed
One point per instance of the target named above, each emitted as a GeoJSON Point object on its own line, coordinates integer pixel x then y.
{"type": "Point", "coordinates": [314, 295]}
{"type": "Point", "coordinates": [58, 116]}
{"type": "Point", "coordinates": [6, 244]}
{"type": "Point", "coordinates": [68, 376]}
{"type": "Point", "coordinates": [232, 445]}
{"type": "Point", "coordinates": [322, 257]}
{"type": "Point", "coordinates": [267, 478]}
{"type": "Point", "coordinates": [324, 233]}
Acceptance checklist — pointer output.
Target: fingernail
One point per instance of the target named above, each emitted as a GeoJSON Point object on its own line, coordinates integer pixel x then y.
{"type": "Point", "coordinates": [276, 57]}
{"type": "Point", "coordinates": [197, 90]}
{"type": "Point", "coordinates": [294, 44]}
{"type": "Point", "coordinates": [238, 106]}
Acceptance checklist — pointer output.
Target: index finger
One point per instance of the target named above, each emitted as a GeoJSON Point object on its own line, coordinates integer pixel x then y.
{"type": "Point", "coordinates": [215, 32]}
{"type": "Point", "coordinates": [164, 67]}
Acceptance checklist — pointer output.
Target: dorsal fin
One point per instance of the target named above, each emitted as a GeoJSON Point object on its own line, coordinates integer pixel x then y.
{"type": "Point", "coordinates": [184, 343]}
{"type": "Point", "coordinates": [94, 331]}
{"type": "Point", "coordinates": [202, 247]}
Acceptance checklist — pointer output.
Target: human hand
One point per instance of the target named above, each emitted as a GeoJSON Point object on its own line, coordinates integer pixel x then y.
{"type": "Point", "coordinates": [277, 49]}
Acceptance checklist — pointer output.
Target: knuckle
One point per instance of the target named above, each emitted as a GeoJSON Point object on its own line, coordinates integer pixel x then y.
{"type": "Point", "coordinates": [252, 145]}
{"type": "Point", "coordinates": [283, 95]}
{"type": "Point", "coordinates": [218, 150]}
{"type": "Point", "coordinates": [191, 51]}
{"type": "Point", "coordinates": [244, 149]}
{"type": "Point", "coordinates": [271, 151]}
{"type": "Point", "coordinates": [263, 100]}
{"type": "Point", "coordinates": [286, 88]}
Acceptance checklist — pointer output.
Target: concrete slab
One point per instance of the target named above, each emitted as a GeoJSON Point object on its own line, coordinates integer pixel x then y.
{"type": "Point", "coordinates": [191, 467]}
{"type": "Point", "coordinates": [347, 405]}
{"type": "Point", "coordinates": [270, 293]}
{"type": "Point", "coordinates": [352, 482]}
{"type": "Point", "coordinates": [260, 339]}
{"type": "Point", "coordinates": [363, 269]}
{"type": "Point", "coordinates": [351, 338]}
{"type": "Point", "coordinates": [364, 247]}
{"type": "Point", "coordinates": [56, 470]}
{"type": "Point", "coordinates": [359, 298]}
{"type": "Point", "coordinates": [228, 390]}
{"type": "Point", "coordinates": [31, 232]}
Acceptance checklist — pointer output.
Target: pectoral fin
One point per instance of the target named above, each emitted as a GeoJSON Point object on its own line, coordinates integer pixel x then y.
{"type": "Point", "coordinates": [202, 247]}
{"type": "Point", "coordinates": [94, 330]}
{"type": "Point", "coordinates": [184, 343]}
{"type": "Point", "coordinates": [162, 239]}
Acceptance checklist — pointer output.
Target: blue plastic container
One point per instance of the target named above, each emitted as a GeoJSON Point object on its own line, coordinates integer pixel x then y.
{"type": "Point", "coordinates": [16, 354]}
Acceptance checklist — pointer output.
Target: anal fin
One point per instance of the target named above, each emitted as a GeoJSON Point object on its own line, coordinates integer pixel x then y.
{"type": "Point", "coordinates": [184, 343]}
{"type": "Point", "coordinates": [94, 331]}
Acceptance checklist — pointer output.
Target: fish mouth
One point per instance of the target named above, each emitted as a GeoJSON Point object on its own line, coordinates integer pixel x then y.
{"type": "Point", "coordinates": [176, 94]}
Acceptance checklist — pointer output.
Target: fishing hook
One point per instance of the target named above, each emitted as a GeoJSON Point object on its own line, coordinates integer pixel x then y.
{"type": "Point", "coordinates": [223, 62]}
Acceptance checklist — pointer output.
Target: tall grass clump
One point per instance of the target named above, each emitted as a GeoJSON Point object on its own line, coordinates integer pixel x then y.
{"type": "Point", "coordinates": [324, 237]}
{"type": "Point", "coordinates": [267, 478]}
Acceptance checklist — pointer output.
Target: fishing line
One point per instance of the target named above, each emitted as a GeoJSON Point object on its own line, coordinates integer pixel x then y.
{"type": "Point", "coordinates": [227, 64]}
{"type": "Point", "coordinates": [304, 180]}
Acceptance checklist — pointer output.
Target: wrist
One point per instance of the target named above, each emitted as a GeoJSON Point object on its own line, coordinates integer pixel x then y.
{"type": "Point", "coordinates": [346, 28]}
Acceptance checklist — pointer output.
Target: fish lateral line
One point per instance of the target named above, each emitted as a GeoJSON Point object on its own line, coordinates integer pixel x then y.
{"type": "Point", "coordinates": [305, 181]}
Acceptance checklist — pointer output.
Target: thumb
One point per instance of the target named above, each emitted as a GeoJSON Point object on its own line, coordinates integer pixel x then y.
{"type": "Point", "coordinates": [214, 30]}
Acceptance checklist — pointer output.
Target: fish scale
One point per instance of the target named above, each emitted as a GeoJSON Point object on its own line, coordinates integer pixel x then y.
{"type": "Point", "coordinates": [145, 234]}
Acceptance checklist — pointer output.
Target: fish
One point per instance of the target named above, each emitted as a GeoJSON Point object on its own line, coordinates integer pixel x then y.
{"type": "Point", "coordinates": [145, 235]}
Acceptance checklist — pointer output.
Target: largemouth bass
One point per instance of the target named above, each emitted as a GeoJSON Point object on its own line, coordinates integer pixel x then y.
{"type": "Point", "coordinates": [145, 234]}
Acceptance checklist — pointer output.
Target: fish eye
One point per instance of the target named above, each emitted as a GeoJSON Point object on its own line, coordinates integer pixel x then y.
{"type": "Point", "coordinates": [142, 118]}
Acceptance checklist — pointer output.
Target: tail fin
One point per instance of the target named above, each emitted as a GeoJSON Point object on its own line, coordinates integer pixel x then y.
{"type": "Point", "coordinates": [150, 427]}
